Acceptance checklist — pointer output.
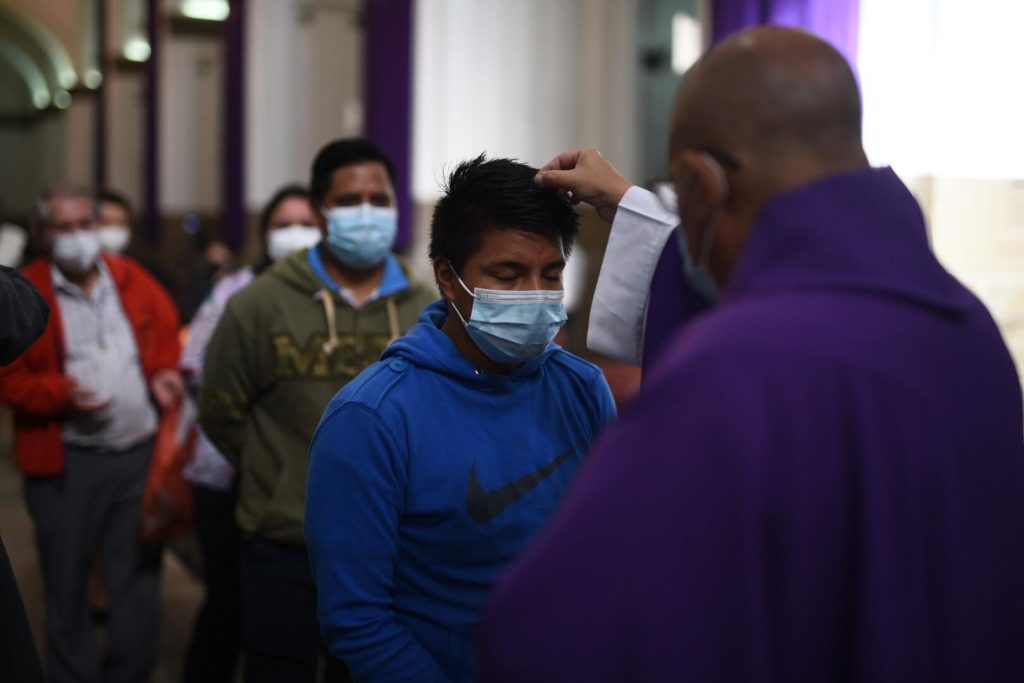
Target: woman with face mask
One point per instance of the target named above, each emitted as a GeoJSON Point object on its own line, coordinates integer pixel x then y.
{"type": "Point", "coordinates": [287, 224]}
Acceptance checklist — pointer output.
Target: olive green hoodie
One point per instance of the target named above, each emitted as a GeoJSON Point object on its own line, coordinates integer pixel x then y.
{"type": "Point", "coordinates": [271, 368]}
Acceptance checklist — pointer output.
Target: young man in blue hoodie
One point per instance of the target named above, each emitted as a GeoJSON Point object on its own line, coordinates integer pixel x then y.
{"type": "Point", "coordinates": [434, 468]}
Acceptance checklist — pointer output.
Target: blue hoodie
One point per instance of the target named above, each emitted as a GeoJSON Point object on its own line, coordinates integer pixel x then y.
{"type": "Point", "coordinates": [427, 476]}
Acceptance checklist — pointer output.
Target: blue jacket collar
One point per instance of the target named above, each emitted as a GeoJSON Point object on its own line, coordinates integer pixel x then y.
{"type": "Point", "coordinates": [393, 282]}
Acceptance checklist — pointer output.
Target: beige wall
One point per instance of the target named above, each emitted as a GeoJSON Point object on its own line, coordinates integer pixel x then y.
{"type": "Point", "coordinates": [304, 88]}
{"type": "Point", "coordinates": [191, 97]}
{"type": "Point", "coordinates": [125, 130]}
{"type": "Point", "coordinates": [524, 79]}
{"type": "Point", "coordinates": [977, 231]}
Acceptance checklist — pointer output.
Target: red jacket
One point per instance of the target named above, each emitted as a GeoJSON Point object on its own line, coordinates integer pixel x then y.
{"type": "Point", "coordinates": [35, 384]}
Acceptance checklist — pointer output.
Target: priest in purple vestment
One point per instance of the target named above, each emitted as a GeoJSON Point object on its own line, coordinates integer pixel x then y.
{"type": "Point", "coordinates": [823, 476]}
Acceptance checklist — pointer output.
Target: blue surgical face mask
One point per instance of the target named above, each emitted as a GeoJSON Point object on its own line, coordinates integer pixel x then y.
{"type": "Point", "coordinates": [513, 326]}
{"type": "Point", "coordinates": [361, 236]}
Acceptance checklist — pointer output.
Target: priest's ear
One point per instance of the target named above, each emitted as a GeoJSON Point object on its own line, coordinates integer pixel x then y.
{"type": "Point", "coordinates": [700, 184]}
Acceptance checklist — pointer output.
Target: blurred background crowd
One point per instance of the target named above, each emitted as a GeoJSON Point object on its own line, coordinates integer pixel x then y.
{"type": "Point", "coordinates": [186, 118]}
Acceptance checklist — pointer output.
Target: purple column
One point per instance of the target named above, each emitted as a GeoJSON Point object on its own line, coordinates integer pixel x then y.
{"type": "Point", "coordinates": [99, 172]}
{"type": "Point", "coordinates": [151, 170]}
{"type": "Point", "coordinates": [834, 20]}
{"type": "Point", "coordinates": [233, 181]}
{"type": "Point", "coordinates": [388, 96]}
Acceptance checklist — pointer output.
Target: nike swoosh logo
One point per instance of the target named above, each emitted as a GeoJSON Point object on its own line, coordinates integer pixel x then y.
{"type": "Point", "coordinates": [483, 505]}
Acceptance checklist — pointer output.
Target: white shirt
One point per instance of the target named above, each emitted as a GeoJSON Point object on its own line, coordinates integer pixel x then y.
{"type": "Point", "coordinates": [640, 231]}
{"type": "Point", "coordinates": [100, 354]}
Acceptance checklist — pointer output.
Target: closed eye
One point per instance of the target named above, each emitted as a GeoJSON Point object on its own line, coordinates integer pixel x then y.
{"type": "Point", "coordinates": [554, 274]}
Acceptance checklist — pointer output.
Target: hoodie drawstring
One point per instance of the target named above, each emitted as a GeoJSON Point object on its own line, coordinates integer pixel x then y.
{"type": "Point", "coordinates": [393, 320]}
{"type": "Point", "coordinates": [332, 333]}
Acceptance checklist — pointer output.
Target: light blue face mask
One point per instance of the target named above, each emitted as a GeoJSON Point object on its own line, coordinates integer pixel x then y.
{"type": "Point", "coordinates": [361, 236]}
{"type": "Point", "coordinates": [512, 327]}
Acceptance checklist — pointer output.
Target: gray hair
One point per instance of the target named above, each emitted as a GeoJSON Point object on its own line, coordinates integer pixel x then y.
{"type": "Point", "coordinates": [62, 190]}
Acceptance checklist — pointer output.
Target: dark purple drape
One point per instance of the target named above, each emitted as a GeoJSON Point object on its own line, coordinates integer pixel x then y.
{"type": "Point", "coordinates": [99, 170]}
{"type": "Point", "coordinates": [233, 181]}
{"type": "Point", "coordinates": [151, 177]}
{"type": "Point", "coordinates": [834, 20]}
{"type": "Point", "coordinates": [388, 88]}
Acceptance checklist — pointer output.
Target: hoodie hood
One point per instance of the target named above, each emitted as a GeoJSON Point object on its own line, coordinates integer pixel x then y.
{"type": "Point", "coordinates": [427, 346]}
{"type": "Point", "coordinates": [294, 270]}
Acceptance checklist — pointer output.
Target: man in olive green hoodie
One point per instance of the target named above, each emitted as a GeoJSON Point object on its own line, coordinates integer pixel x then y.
{"type": "Point", "coordinates": [284, 347]}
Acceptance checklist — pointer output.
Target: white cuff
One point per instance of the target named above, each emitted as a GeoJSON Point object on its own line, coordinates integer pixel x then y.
{"type": "Point", "coordinates": [641, 228]}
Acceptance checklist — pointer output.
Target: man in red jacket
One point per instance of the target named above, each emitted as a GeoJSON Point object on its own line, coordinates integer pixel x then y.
{"type": "Point", "coordinates": [87, 397]}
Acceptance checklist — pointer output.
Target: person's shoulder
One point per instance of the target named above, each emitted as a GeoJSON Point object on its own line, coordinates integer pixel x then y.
{"type": "Point", "coordinates": [234, 281]}
{"type": "Point", "coordinates": [756, 340]}
{"type": "Point", "coordinates": [251, 293]}
{"type": "Point", "coordinates": [122, 266]}
{"type": "Point", "coordinates": [24, 289]}
{"type": "Point", "coordinates": [230, 284]}
{"type": "Point", "coordinates": [569, 363]}
{"type": "Point", "coordinates": [419, 293]}
{"type": "Point", "coordinates": [370, 390]}
{"type": "Point", "coordinates": [130, 275]}
{"type": "Point", "coordinates": [781, 322]}
{"type": "Point", "coordinates": [37, 271]}
{"type": "Point", "coordinates": [377, 383]}
{"type": "Point", "coordinates": [133, 279]}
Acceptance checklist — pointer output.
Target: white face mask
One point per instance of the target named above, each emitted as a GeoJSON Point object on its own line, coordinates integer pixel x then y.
{"type": "Point", "coordinates": [76, 252]}
{"type": "Point", "coordinates": [283, 241]}
{"type": "Point", "coordinates": [113, 237]}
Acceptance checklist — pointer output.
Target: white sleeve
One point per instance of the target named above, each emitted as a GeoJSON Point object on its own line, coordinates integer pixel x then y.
{"type": "Point", "coordinates": [641, 228]}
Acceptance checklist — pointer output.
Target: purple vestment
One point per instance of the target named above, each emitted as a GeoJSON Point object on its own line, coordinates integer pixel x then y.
{"type": "Point", "coordinates": [671, 303]}
{"type": "Point", "coordinates": [822, 480]}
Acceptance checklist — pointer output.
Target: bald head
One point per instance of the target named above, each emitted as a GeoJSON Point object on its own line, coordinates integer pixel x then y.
{"type": "Point", "coordinates": [764, 112]}
{"type": "Point", "coordinates": [773, 95]}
